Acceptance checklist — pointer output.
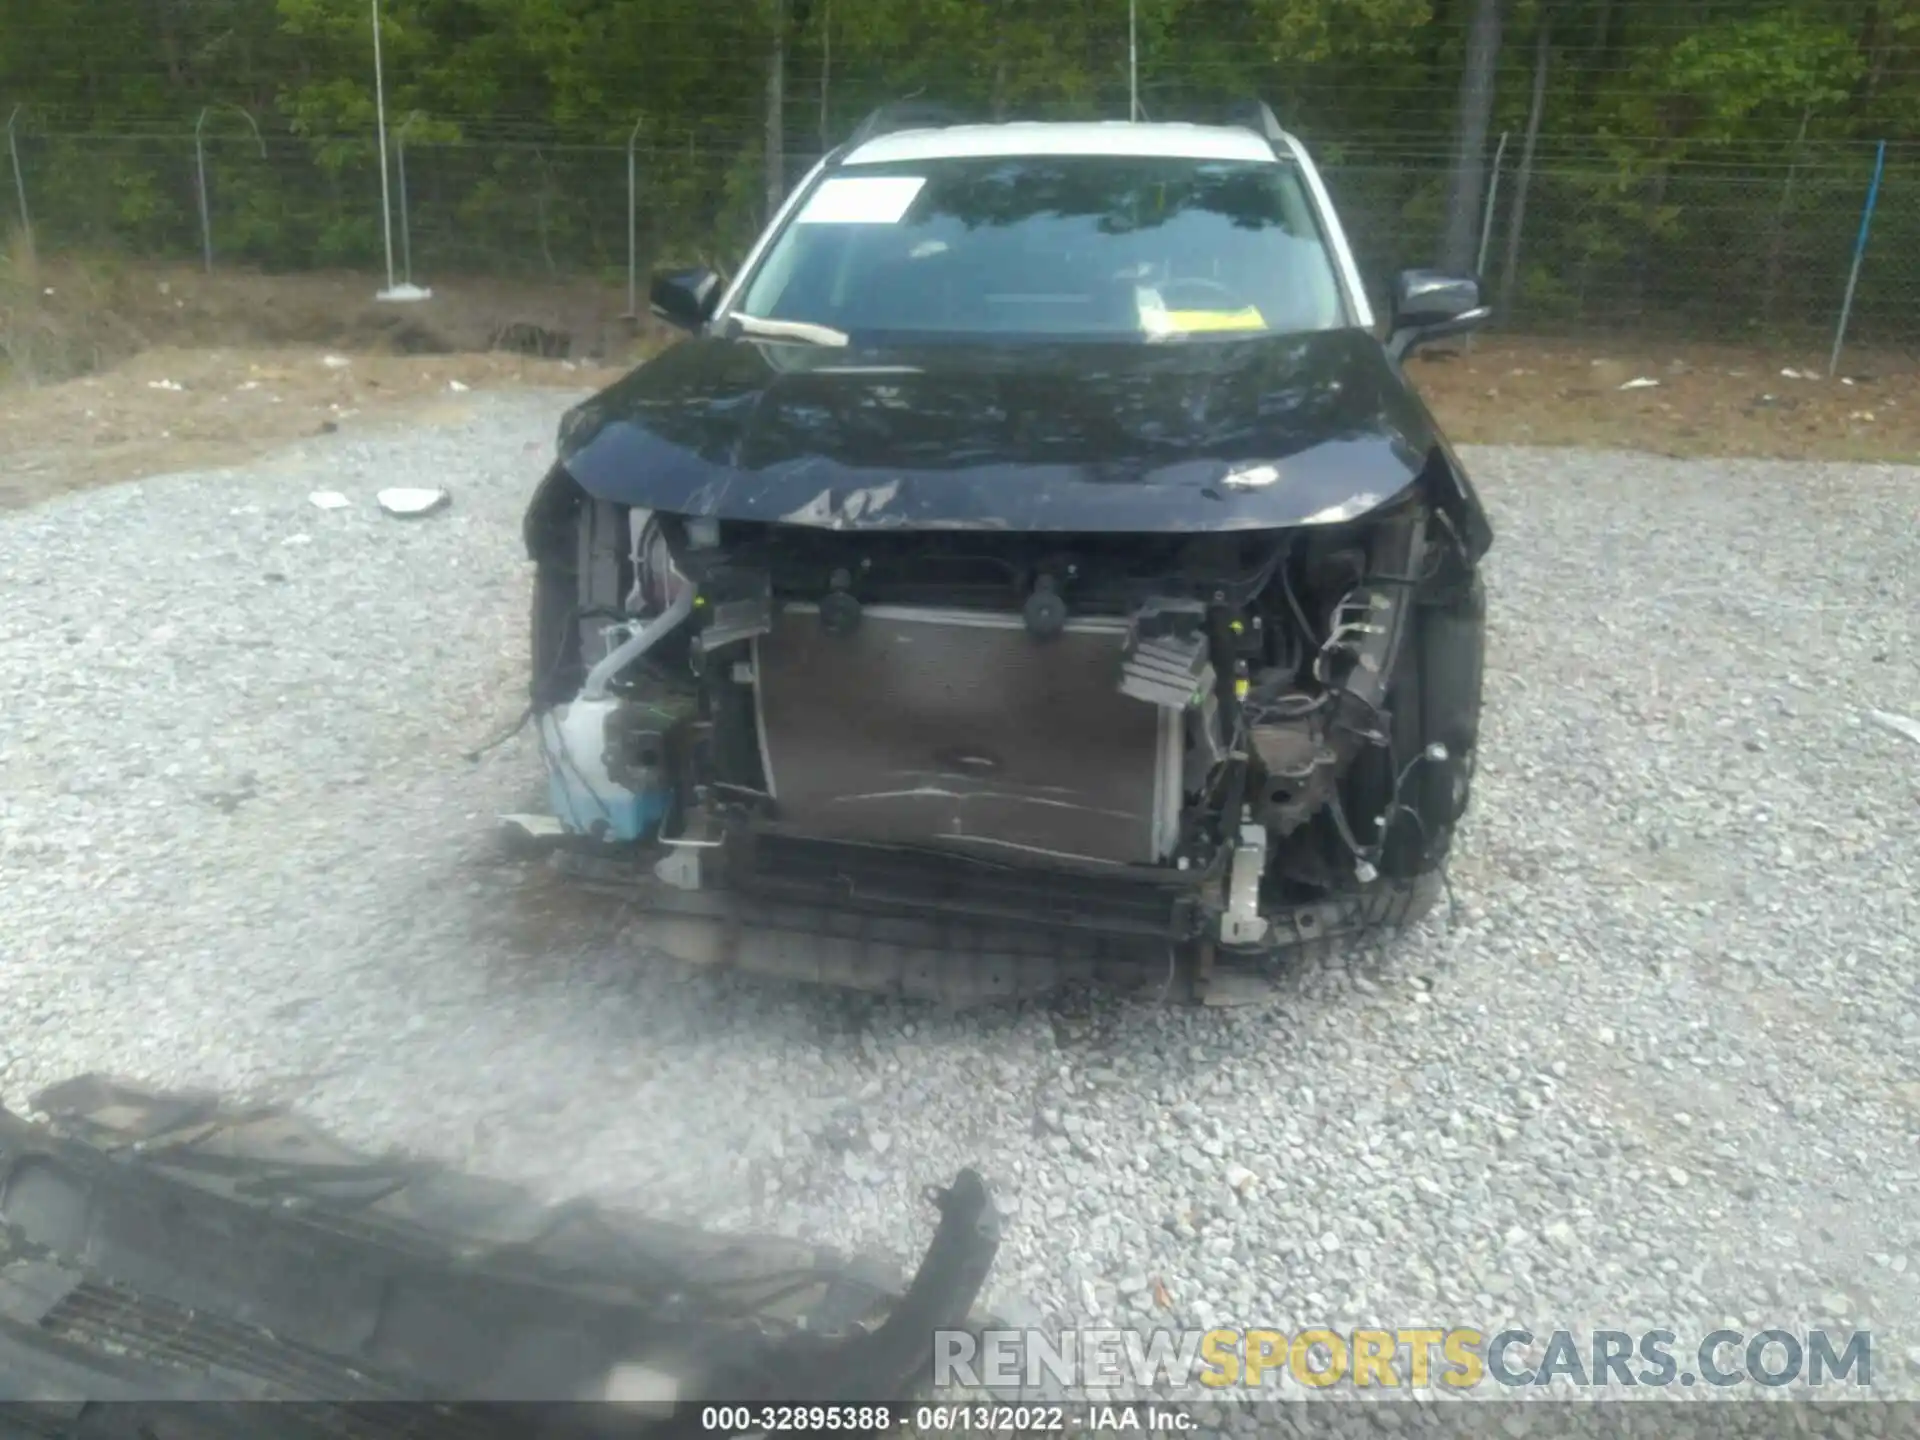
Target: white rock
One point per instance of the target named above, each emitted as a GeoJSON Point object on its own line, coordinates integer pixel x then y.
{"type": "Point", "coordinates": [410, 503]}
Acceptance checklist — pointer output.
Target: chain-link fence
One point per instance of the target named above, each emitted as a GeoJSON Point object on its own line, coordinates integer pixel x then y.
{"type": "Point", "coordinates": [1756, 247]}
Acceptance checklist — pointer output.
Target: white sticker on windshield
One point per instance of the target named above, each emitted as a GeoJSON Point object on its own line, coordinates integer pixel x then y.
{"type": "Point", "coordinates": [862, 200]}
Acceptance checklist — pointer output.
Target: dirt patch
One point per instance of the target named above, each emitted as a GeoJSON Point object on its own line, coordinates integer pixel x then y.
{"type": "Point", "coordinates": [110, 371]}
{"type": "Point", "coordinates": [1704, 400]}
{"type": "Point", "coordinates": [113, 372]}
{"type": "Point", "coordinates": [65, 318]}
{"type": "Point", "coordinates": [172, 409]}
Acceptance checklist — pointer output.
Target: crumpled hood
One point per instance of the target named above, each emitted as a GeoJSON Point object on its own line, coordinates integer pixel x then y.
{"type": "Point", "coordinates": [1252, 432]}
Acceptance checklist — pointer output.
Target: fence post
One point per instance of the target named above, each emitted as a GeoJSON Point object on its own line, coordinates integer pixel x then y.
{"type": "Point", "coordinates": [200, 174]}
{"type": "Point", "coordinates": [1517, 215]}
{"type": "Point", "coordinates": [200, 189]}
{"type": "Point", "coordinates": [406, 233]}
{"type": "Point", "coordinates": [540, 197]}
{"type": "Point", "coordinates": [1859, 253]}
{"type": "Point", "coordinates": [1493, 194]}
{"type": "Point", "coordinates": [633, 242]}
{"type": "Point", "coordinates": [19, 178]}
{"type": "Point", "coordinates": [1776, 240]}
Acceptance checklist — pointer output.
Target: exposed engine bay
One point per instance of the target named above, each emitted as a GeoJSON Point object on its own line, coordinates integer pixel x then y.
{"type": "Point", "coordinates": [1218, 745]}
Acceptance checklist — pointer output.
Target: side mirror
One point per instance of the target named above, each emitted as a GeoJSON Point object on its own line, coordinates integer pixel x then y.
{"type": "Point", "coordinates": [1430, 305]}
{"type": "Point", "coordinates": [685, 298]}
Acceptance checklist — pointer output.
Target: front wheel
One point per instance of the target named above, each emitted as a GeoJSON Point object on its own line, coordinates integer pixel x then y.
{"type": "Point", "coordinates": [1434, 699]}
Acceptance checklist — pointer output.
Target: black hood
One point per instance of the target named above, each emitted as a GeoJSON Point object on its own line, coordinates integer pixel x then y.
{"type": "Point", "coordinates": [1218, 433]}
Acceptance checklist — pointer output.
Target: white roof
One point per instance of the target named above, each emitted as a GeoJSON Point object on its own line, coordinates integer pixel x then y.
{"type": "Point", "coordinates": [1109, 137]}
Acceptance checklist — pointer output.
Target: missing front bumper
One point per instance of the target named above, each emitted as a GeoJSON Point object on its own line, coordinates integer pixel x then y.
{"type": "Point", "coordinates": [940, 934]}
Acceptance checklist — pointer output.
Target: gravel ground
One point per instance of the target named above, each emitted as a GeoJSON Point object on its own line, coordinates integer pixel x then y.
{"type": "Point", "coordinates": [1661, 1068]}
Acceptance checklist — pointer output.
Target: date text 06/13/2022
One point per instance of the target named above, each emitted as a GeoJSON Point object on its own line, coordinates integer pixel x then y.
{"type": "Point", "coordinates": [1052, 1419]}
{"type": "Point", "coordinates": [947, 1419]}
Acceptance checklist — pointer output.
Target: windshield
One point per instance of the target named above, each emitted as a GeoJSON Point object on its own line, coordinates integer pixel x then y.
{"type": "Point", "coordinates": [1075, 245]}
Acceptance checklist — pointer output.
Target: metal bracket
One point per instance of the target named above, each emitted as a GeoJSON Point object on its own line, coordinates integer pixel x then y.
{"type": "Point", "coordinates": [1242, 923]}
{"type": "Point", "coordinates": [680, 868]}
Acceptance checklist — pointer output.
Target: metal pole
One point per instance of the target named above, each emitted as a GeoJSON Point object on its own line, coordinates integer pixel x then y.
{"type": "Point", "coordinates": [1493, 193]}
{"type": "Point", "coordinates": [826, 70]}
{"type": "Point", "coordinates": [406, 233]}
{"type": "Point", "coordinates": [633, 238]}
{"type": "Point", "coordinates": [19, 177]}
{"type": "Point", "coordinates": [400, 166]}
{"type": "Point", "coordinates": [380, 112]}
{"type": "Point", "coordinates": [1517, 216]}
{"type": "Point", "coordinates": [200, 185]}
{"type": "Point", "coordinates": [1133, 59]}
{"type": "Point", "coordinates": [1778, 238]}
{"type": "Point", "coordinates": [1859, 253]}
{"type": "Point", "coordinates": [200, 171]}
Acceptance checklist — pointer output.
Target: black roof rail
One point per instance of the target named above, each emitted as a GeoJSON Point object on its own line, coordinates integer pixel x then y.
{"type": "Point", "coordinates": [907, 115]}
{"type": "Point", "coordinates": [1254, 115]}
{"type": "Point", "coordinates": [1258, 117]}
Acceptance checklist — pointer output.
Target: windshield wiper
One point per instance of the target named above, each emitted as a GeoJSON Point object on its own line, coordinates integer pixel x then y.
{"type": "Point", "coordinates": [760, 329]}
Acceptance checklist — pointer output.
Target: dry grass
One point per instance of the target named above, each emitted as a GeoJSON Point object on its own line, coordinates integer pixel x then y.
{"type": "Point", "coordinates": [68, 318]}
{"type": "Point", "coordinates": [79, 315]}
{"type": "Point", "coordinates": [111, 370]}
{"type": "Point", "coordinates": [1707, 400]}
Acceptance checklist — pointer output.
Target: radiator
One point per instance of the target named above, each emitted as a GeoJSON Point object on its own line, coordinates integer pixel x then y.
{"type": "Point", "coordinates": [957, 729]}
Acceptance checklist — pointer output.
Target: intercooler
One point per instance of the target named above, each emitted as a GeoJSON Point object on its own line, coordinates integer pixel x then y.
{"type": "Point", "coordinates": [958, 729]}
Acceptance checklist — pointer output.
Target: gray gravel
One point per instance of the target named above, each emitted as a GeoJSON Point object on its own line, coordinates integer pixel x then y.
{"type": "Point", "coordinates": [1662, 1068]}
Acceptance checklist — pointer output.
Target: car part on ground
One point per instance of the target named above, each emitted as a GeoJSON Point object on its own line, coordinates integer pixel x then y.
{"type": "Point", "coordinates": [165, 1247]}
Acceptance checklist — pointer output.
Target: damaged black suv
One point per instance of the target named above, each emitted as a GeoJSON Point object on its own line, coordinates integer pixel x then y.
{"type": "Point", "coordinates": [1034, 565]}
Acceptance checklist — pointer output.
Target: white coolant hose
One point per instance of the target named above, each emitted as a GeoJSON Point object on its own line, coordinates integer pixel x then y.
{"type": "Point", "coordinates": [636, 645]}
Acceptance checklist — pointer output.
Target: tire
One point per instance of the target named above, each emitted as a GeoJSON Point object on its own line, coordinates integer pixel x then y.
{"type": "Point", "coordinates": [553, 669]}
{"type": "Point", "coordinates": [1453, 644]}
{"type": "Point", "coordinates": [1435, 696]}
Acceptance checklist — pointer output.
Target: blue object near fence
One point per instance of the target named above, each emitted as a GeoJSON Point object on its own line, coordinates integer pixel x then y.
{"type": "Point", "coordinates": [1859, 253]}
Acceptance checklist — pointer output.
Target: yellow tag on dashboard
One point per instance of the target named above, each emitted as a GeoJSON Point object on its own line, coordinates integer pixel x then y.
{"type": "Point", "coordinates": [1194, 322]}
